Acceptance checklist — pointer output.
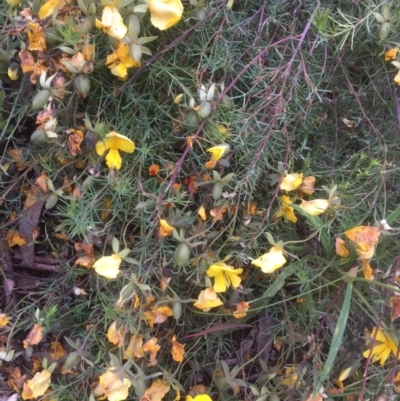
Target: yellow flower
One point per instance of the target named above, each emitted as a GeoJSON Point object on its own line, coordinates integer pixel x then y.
{"type": "Point", "coordinates": [120, 60]}
{"type": "Point", "coordinates": [397, 78]}
{"type": "Point", "coordinates": [286, 210]}
{"type": "Point", "coordinates": [202, 213]}
{"type": "Point", "coordinates": [366, 238]}
{"type": "Point", "coordinates": [315, 207]}
{"type": "Point", "coordinates": [270, 261]}
{"type": "Point", "coordinates": [291, 182]}
{"type": "Point", "coordinates": [3, 320]}
{"type": "Point", "coordinates": [37, 386]}
{"type": "Point", "coordinates": [291, 378]}
{"type": "Point", "coordinates": [207, 299]}
{"type": "Point", "coordinates": [49, 8]}
{"type": "Point", "coordinates": [115, 336]}
{"type": "Point", "coordinates": [165, 228]}
{"type": "Point", "coordinates": [114, 142]}
{"type": "Point", "coordinates": [224, 275]}
{"type": "Point", "coordinates": [112, 23]}
{"type": "Point", "coordinates": [165, 13]}
{"type": "Point", "coordinates": [13, 71]}
{"type": "Point", "coordinates": [391, 54]}
{"type": "Point", "coordinates": [199, 397]}
{"type": "Point", "coordinates": [219, 151]}
{"type": "Point", "coordinates": [111, 385]}
{"type": "Point", "coordinates": [108, 266]}
{"type": "Point", "coordinates": [383, 350]}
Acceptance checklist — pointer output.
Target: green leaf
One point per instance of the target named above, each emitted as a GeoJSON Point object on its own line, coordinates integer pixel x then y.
{"type": "Point", "coordinates": [337, 336]}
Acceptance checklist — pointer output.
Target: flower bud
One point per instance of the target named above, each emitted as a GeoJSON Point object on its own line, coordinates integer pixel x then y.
{"type": "Point", "coordinates": [40, 99]}
{"type": "Point", "coordinates": [217, 190]}
{"type": "Point", "coordinates": [192, 119]}
{"type": "Point", "coordinates": [13, 71]}
{"type": "Point", "coordinates": [204, 110]}
{"type": "Point", "coordinates": [384, 30]}
{"type": "Point", "coordinates": [39, 136]}
{"type": "Point", "coordinates": [72, 360]}
{"type": "Point", "coordinates": [13, 3]}
{"type": "Point", "coordinates": [140, 387]}
{"type": "Point", "coordinates": [51, 201]}
{"type": "Point", "coordinates": [82, 84]}
{"type": "Point", "coordinates": [182, 253]}
{"type": "Point", "coordinates": [203, 266]}
{"type": "Point", "coordinates": [177, 309]}
{"type": "Point", "coordinates": [87, 25]}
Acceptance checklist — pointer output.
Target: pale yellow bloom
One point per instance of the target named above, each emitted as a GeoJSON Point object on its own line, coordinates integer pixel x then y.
{"type": "Point", "coordinates": [217, 152]}
{"type": "Point", "coordinates": [165, 13]}
{"type": "Point", "coordinates": [114, 142]}
{"type": "Point", "coordinates": [199, 397]}
{"type": "Point", "coordinates": [108, 266]}
{"type": "Point", "coordinates": [224, 275]}
{"type": "Point", "coordinates": [381, 351]}
{"type": "Point", "coordinates": [285, 210]}
{"type": "Point", "coordinates": [270, 261]}
{"type": "Point", "coordinates": [207, 299]}
{"type": "Point", "coordinates": [291, 182]}
{"type": "Point", "coordinates": [112, 23]}
{"type": "Point", "coordinates": [37, 386]}
{"type": "Point", "coordinates": [397, 78]}
{"type": "Point", "coordinates": [315, 207]}
{"type": "Point", "coordinates": [120, 60]}
{"type": "Point", "coordinates": [165, 228]}
{"type": "Point", "coordinates": [111, 385]}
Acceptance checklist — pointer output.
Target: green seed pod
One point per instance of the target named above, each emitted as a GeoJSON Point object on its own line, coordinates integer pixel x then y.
{"type": "Point", "coordinates": [204, 110]}
{"type": "Point", "coordinates": [147, 205]}
{"type": "Point", "coordinates": [29, 351]}
{"type": "Point", "coordinates": [140, 387]}
{"type": "Point", "coordinates": [217, 190]}
{"type": "Point", "coordinates": [39, 136]}
{"type": "Point", "coordinates": [384, 30]}
{"type": "Point", "coordinates": [227, 101]}
{"type": "Point", "coordinates": [82, 84]}
{"type": "Point", "coordinates": [72, 360]}
{"type": "Point", "coordinates": [87, 183]}
{"type": "Point", "coordinates": [87, 25]}
{"type": "Point", "coordinates": [36, 4]}
{"type": "Point", "coordinates": [203, 265]}
{"type": "Point", "coordinates": [182, 253]}
{"type": "Point", "coordinates": [52, 34]}
{"type": "Point", "coordinates": [177, 309]}
{"type": "Point", "coordinates": [273, 397]}
{"type": "Point", "coordinates": [192, 119]}
{"type": "Point", "coordinates": [40, 99]}
{"type": "Point", "coordinates": [51, 202]}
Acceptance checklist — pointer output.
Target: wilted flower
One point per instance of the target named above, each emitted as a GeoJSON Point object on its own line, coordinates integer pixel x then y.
{"type": "Point", "coordinates": [165, 228]}
{"type": "Point", "coordinates": [391, 54]}
{"type": "Point", "coordinates": [241, 309]}
{"type": "Point", "coordinates": [112, 23]}
{"type": "Point", "coordinates": [165, 13]}
{"type": "Point", "coordinates": [315, 207]}
{"type": "Point", "coordinates": [112, 386]}
{"type": "Point", "coordinates": [366, 238]}
{"type": "Point", "coordinates": [108, 266]}
{"type": "Point", "coordinates": [291, 182]}
{"type": "Point", "coordinates": [217, 152]}
{"type": "Point", "coordinates": [207, 299]}
{"type": "Point", "coordinates": [37, 386]}
{"type": "Point", "coordinates": [383, 350]}
{"type": "Point", "coordinates": [178, 350]}
{"type": "Point", "coordinates": [397, 78]}
{"type": "Point", "coordinates": [224, 275]}
{"type": "Point", "coordinates": [270, 261]}
{"type": "Point", "coordinates": [120, 60]}
{"type": "Point", "coordinates": [341, 249]}
{"type": "Point", "coordinates": [115, 336]}
{"type": "Point", "coordinates": [115, 142]}
{"type": "Point", "coordinates": [285, 210]}
{"type": "Point", "coordinates": [36, 37]}
{"type": "Point", "coordinates": [307, 186]}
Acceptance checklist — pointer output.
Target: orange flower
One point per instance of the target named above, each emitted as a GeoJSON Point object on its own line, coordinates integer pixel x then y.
{"type": "Point", "coordinates": [210, 164]}
{"type": "Point", "coordinates": [152, 348]}
{"type": "Point", "coordinates": [178, 350]}
{"type": "Point", "coordinates": [153, 170]}
{"type": "Point", "coordinates": [36, 37]}
{"type": "Point", "coordinates": [391, 54]}
{"type": "Point", "coordinates": [241, 309]}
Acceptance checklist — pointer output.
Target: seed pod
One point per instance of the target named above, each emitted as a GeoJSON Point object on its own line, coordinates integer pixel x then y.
{"type": "Point", "coordinates": [40, 99]}
{"type": "Point", "coordinates": [177, 309]}
{"type": "Point", "coordinates": [140, 387]}
{"type": "Point", "coordinates": [182, 253]}
{"type": "Point", "coordinates": [384, 30]}
{"type": "Point", "coordinates": [227, 101]}
{"type": "Point", "coordinates": [82, 84]}
{"type": "Point", "coordinates": [72, 360]}
{"type": "Point", "coordinates": [51, 202]}
{"type": "Point", "coordinates": [204, 110]}
{"type": "Point", "coordinates": [13, 3]}
{"type": "Point", "coordinates": [39, 136]}
{"type": "Point", "coordinates": [273, 397]}
{"type": "Point", "coordinates": [87, 25]}
{"type": "Point", "coordinates": [217, 190]}
{"type": "Point", "coordinates": [29, 351]}
{"type": "Point", "coordinates": [203, 265]}
{"type": "Point", "coordinates": [192, 119]}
